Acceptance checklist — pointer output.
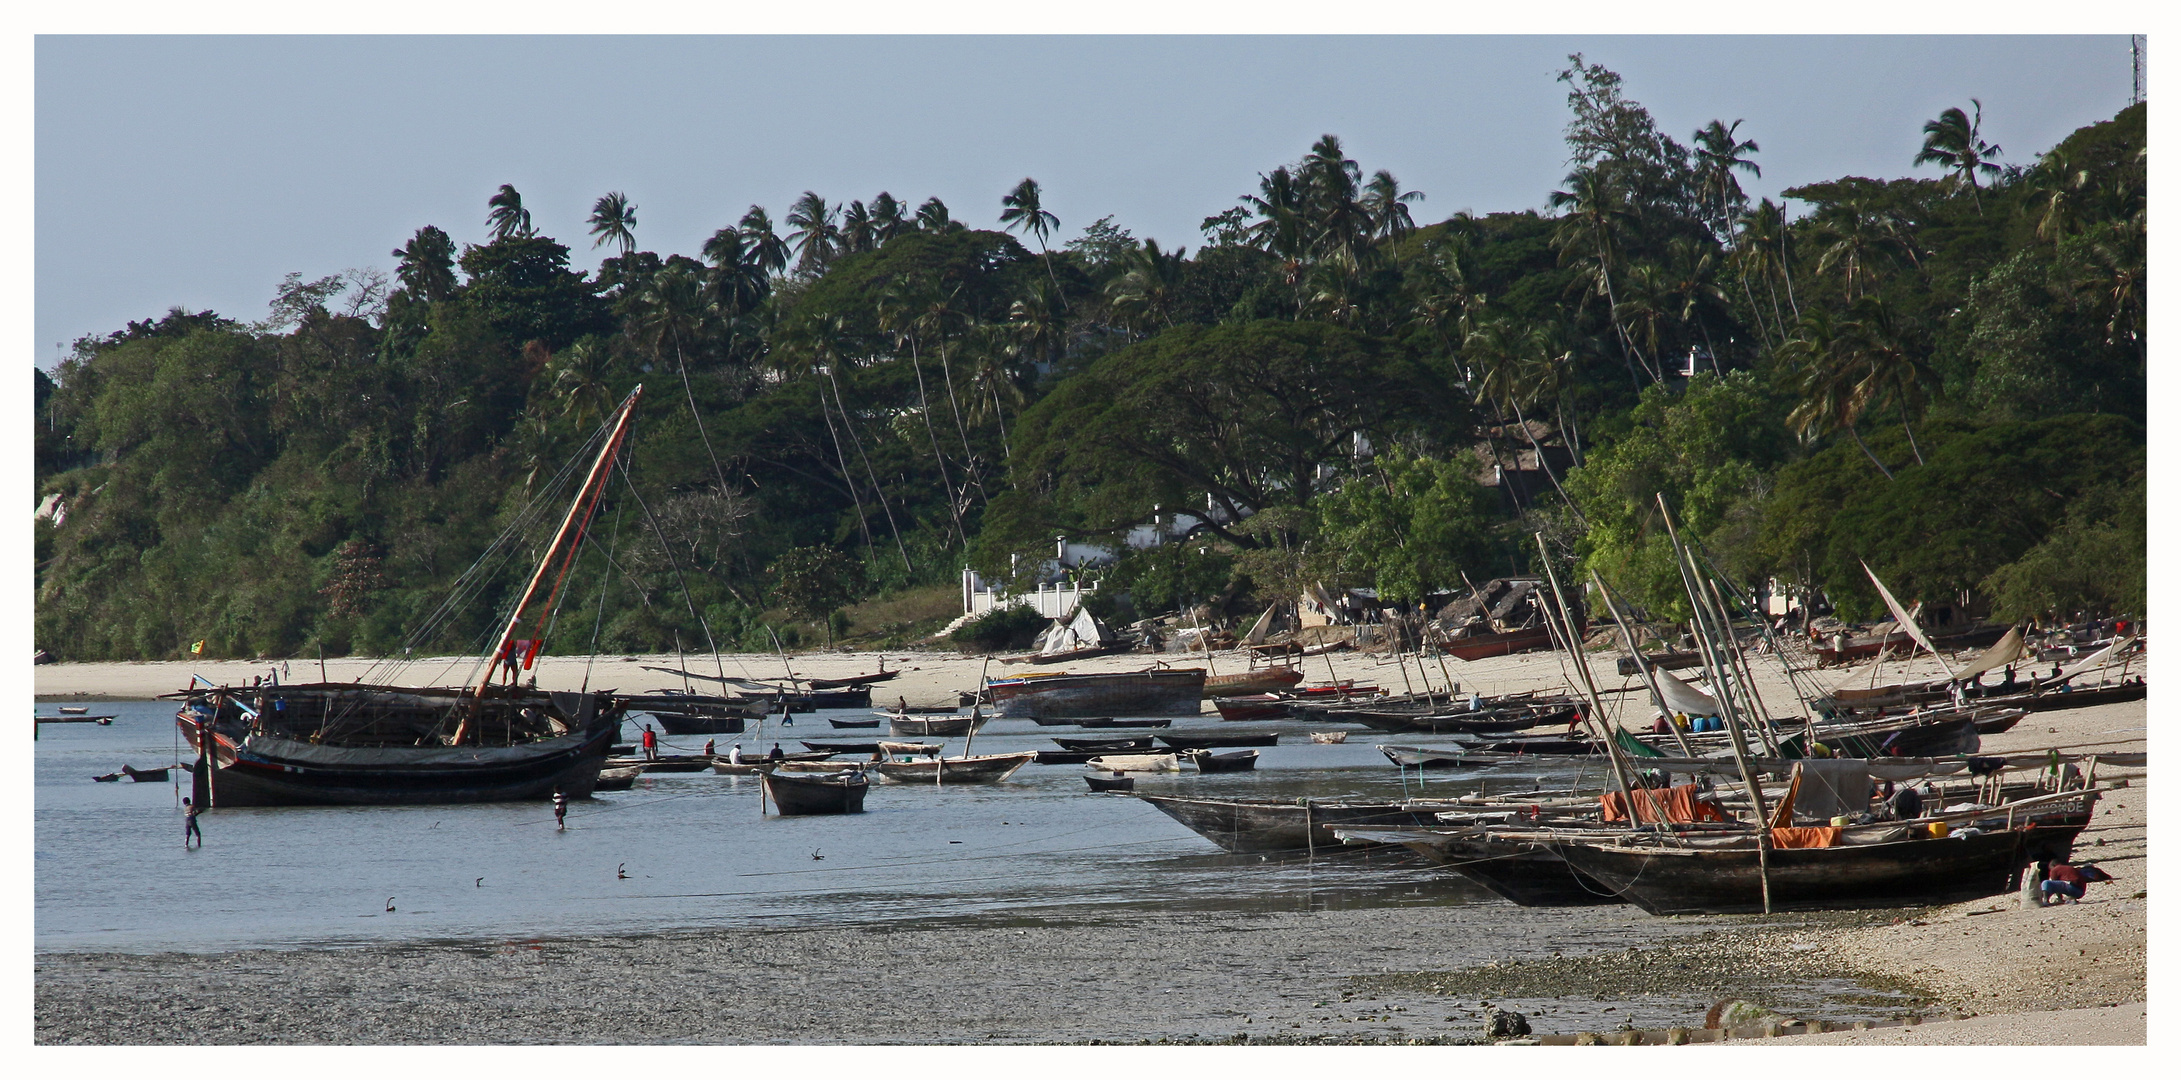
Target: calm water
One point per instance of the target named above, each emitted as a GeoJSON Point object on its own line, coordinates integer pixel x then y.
{"type": "Point", "coordinates": [112, 872]}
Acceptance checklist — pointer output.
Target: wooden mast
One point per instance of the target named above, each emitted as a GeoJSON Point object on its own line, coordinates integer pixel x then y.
{"type": "Point", "coordinates": [578, 511]}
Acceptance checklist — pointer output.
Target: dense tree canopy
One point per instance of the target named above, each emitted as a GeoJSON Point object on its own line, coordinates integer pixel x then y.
{"type": "Point", "coordinates": [1945, 378]}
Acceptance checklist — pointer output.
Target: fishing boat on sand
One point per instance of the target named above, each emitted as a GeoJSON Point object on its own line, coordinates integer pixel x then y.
{"type": "Point", "coordinates": [1062, 696]}
{"type": "Point", "coordinates": [978, 769]}
{"type": "Point", "coordinates": [1245, 826]}
{"type": "Point", "coordinates": [1238, 761]}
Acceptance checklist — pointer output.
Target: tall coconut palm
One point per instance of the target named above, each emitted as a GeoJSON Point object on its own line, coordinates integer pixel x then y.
{"type": "Point", "coordinates": [1443, 299]}
{"type": "Point", "coordinates": [888, 217]}
{"type": "Point", "coordinates": [766, 250]}
{"type": "Point", "coordinates": [1829, 378]}
{"type": "Point", "coordinates": [805, 345]}
{"type": "Point", "coordinates": [579, 374]}
{"type": "Point", "coordinates": [828, 337]}
{"type": "Point", "coordinates": [1955, 142]}
{"type": "Point", "coordinates": [613, 219]}
{"type": "Point", "coordinates": [508, 219]}
{"type": "Point", "coordinates": [427, 265]}
{"type": "Point", "coordinates": [1339, 224]}
{"type": "Point", "coordinates": [1593, 221]}
{"type": "Point", "coordinates": [815, 237]}
{"type": "Point", "coordinates": [738, 275]}
{"type": "Point", "coordinates": [1281, 228]}
{"type": "Point", "coordinates": [1145, 294]}
{"type": "Point", "coordinates": [940, 316]}
{"type": "Point", "coordinates": [670, 311]}
{"type": "Point", "coordinates": [1023, 210]}
{"type": "Point", "coordinates": [1894, 371]}
{"type": "Point", "coordinates": [857, 231]}
{"type": "Point", "coordinates": [932, 216]}
{"type": "Point", "coordinates": [898, 310]}
{"type": "Point", "coordinates": [1387, 206]}
{"type": "Point", "coordinates": [1718, 156]}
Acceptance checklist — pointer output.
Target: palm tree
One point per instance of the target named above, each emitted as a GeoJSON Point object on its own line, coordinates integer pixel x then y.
{"type": "Point", "coordinates": [888, 217]}
{"type": "Point", "coordinates": [816, 238]}
{"type": "Point", "coordinates": [1829, 376]}
{"type": "Point", "coordinates": [898, 310]}
{"type": "Point", "coordinates": [1589, 235]}
{"type": "Point", "coordinates": [1859, 233]}
{"type": "Point", "coordinates": [613, 218]}
{"type": "Point", "coordinates": [1443, 300]}
{"type": "Point", "coordinates": [1893, 371]}
{"type": "Point", "coordinates": [1339, 224]}
{"type": "Point", "coordinates": [805, 345]}
{"type": "Point", "coordinates": [1023, 210]}
{"type": "Point", "coordinates": [857, 231]}
{"type": "Point", "coordinates": [427, 265]}
{"type": "Point", "coordinates": [738, 277]}
{"type": "Point", "coordinates": [1280, 228]}
{"type": "Point", "coordinates": [933, 216]}
{"type": "Point", "coordinates": [1146, 292]}
{"type": "Point", "coordinates": [828, 338]}
{"type": "Point", "coordinates": [1699, 300]}
{"type": "Point", "coordinates": [508, 219]}
{"type": "Point", "coordinates": [1387, 206]}
{"type": "Point", "coordinates": [670, 309]}
{"type": "Point", "coordinates": [579, 381]}
{"type": "Point", "coordinates": [1954, 142]}
{"type": "Point", "coordinates": [1718, 155]}
{"type": "Point", "coordinates": [766, 250]}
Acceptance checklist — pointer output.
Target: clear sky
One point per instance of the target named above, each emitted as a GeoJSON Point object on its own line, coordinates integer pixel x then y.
{"type": "Point", "coordinates": [199, 170]}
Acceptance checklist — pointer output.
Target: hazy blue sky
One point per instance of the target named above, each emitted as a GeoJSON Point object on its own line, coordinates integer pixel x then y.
{"type": "Point", "coordinates": [198, 171]}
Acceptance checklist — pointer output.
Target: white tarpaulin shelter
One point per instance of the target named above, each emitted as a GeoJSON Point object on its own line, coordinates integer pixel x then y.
{"type": "Point", "coordinates": [1083, 631]}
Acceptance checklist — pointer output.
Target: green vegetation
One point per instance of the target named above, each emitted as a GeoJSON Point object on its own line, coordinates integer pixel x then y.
{"type": "Point", "coordinates": [1944, 378]}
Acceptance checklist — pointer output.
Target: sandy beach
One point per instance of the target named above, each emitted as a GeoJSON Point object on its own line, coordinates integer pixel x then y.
{"type": "Point", "coordinates": [2071, 974]}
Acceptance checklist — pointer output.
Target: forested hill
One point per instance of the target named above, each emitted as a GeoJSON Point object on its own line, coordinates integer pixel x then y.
{"type": "Point", "coordinates": [1944, 378]}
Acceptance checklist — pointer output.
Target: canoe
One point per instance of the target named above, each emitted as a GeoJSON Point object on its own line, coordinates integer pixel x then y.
{"type": "Point", "coordinates": [841, 793]}
{"type": "Point", "coordinates": [1434, 757]}
{"type": "Point", "coordinates": [1239, 761]}
{"type": "Point", "coordinates": [677, 723]}
{"type": "Point", "coordinates": [1066, 757]}
{"type": "Point", "coordinates": [889, 746]}
{"type": "Point", "coordinates": [938, 725]}
{"type": "Point", "coordinates": [666, 763]}
{"type": "Point", "coordinates": [145, 776]}
{"type": "Point", "coordinates": [981, 769]}
{"type": "Point", "coordinates": [1152, 692]}
{"type": "Point", "coordinates": [621, 779]}
{"type": "Point", "coordinates": [1110, 722]}
{"type": "Point", "coordinates": [1245, 826]}
{"type": "Point", "coordinates": [1113, 782]}
{"type": "Point", "coordinates": [851, 681]}
{"type": "Point", "coordinates": [1137, 762]}
{"type": "Point", "coordinates": [1251, 682]}
{"type": "Point", "coordinates": [844, 724]}
{"type": "Point", "coordinates": [1212, 742]}
{"type": "Point", "coordinates": [843, 747]}
{"type": "Point", "coordinates": [1139, 743]}
{"type": "Point", "coordinates": [1525, 873]}
{"type": "Point", "coordinates": [1328, 736]}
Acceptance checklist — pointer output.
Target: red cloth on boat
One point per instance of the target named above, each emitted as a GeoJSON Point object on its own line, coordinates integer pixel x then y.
{"type": "Point", "coordinates": [1677, 804]}
{"type": "Point", "coordinates": [1807, 836]}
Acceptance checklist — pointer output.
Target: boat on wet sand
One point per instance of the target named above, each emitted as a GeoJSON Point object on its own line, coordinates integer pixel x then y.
{"type": "Point", "coordinates": [1254, 825]}
{"type": "Point", "coordinates": [1062, 696]}
{"type": "Point", "coordinates": [1167, 762]}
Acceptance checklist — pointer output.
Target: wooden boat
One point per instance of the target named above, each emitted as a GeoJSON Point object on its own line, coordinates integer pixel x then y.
{"type": "Point", "coordinates": [379, 744]}
{"type": "Point", "coordinates": [1674, 661]}
{"type": "Point", "coordinates": [1141, 743]}
{"type": "Point", "coordinates": [1478, 722]}
{"type": "Point", "coordinates": [847, 724]}
{"type": "Point", "coordinates": [1268, 680]}
{"type": "Point", "coordinates": [145, 776]}
{"type": "Point", "coordinates": [76, 710]}
{"type": "Point", "coordinates": [1110, 722]}
{"type": "Point", "coordinates": [1067, 757]}
{"type": "Point", "coordinates": [942, 726]}
{"type": "Point", "coordinates": [1328, 736]}
{"type": "Point", "coordinates": [1113, 782]}
{"type": "Point", "coordinates": [621, 779]}
{"type": "Point", "coordinates": [664, 763]}
{"type": "Point", "coordinates": [1238, 761]}
{"type": "Point", "coordinates": [842, 747]}
{"type": "Point", "coordinates": [1887, 872]}
{"type": "Point", "coordinates": [920, 710]}
{"type": "Point", "coordinates": [1084, 653]}
{"type": "Point", "coordinates": [1435, 757]}
{"type": "Point", "coordinates": [107, 778]}
{"type": "Point", "coordinates": [1273, 706]}
{"type": "Point", "coordinates": [2066, 698]}
{"type": "Point", "coordinates": [1521, 871]}
{"type": "Point", "coordinates": [1213, 742]}
{"type": "Point", "coordinates": [1898, 641]}
{"type": "Point", "coordinates": [1136, 762]}
{"type": "Point", "coordinates": [840, 793]}
{"type": "Point", "coordinates": [106, 721]}
{"type": "Point", "coordinates": [852, 680]}
{"type": "Point", "coordinates": [1253, 825]}
{"type": "Point", "coordinates": [1151, 692]}
{"type": "Point", "coordinates": [981, 769]}
{"type": "Point", "coordinates": [1486, 645]}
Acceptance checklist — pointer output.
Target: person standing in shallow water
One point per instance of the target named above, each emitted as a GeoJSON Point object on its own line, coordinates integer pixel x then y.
{"type": "Point", "coordinates": [560, 810]}
{"type": "Point", "coordinates": [189, 824]}
{"type": "Point", "coordinates": [651, 744]}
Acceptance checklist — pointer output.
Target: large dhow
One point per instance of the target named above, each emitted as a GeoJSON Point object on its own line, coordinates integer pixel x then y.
{"type": "Point", "coordinates": [376, 743]}
{"type": "Point", "coordinates": [1060, 695]}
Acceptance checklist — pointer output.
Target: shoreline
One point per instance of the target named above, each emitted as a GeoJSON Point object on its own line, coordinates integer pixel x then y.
{"type": "Point", "coordinates": [1365, 975]}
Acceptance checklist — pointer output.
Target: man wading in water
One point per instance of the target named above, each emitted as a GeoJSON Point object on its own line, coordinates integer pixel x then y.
{"type": "Point", "coordinates": [560, 810]}
{"type": "Point", "coordinates": [189, 824]}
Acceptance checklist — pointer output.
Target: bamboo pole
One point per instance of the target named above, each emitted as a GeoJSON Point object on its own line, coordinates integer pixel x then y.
{"type": "Point", "coordinates": [1594, 717]}
{"type": "Point", "coordinates": [1628, 638]}
{"type": "Point", "coordinates": [1733, 720]}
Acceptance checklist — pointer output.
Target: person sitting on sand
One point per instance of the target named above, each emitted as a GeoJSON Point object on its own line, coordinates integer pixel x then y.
{"type": "Point", "coordinates": [2064, 883]}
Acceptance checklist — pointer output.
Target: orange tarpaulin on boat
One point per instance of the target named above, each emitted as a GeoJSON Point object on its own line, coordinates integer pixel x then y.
{"type": "Point", "coordinates": [1677, 804]}
{"type": "Point", "coordinates": [1806, 836]}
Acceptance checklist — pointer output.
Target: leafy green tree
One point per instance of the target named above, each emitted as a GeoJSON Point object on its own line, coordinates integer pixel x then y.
{"type": "Point", "coordinates": [1172, 576]}
{"type": "Point", "coordinates": [1413, 529]}
{"type": "Point", "coordinates": [812, 582]}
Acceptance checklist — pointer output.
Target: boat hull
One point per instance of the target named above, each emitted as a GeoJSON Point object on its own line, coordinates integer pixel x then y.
{"type": "Point", "coordinates": [1525, 874]}
{"type": "Point", "coordinates": [688, 724]}
{"type": "Point", "coordinates": [802, 795]}
{"type": "Point", "coordinates": [1686, 881]}
{"type": "Point", "coordinates": [984, 769]}
{"type": "Point", "coordinates": [1175, 692]}
{"type": "Point", "coordinates": [1246, 827]}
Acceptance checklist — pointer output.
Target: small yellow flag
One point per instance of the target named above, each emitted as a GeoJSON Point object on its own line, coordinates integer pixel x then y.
{"type": "Point", "coordinates": [196, 648]}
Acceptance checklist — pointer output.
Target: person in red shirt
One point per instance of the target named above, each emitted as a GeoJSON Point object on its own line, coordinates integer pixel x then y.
{"type": "Point", "coordinates": [2064, 883]}
{"type": "Point", "coordinates": [651, 744]}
